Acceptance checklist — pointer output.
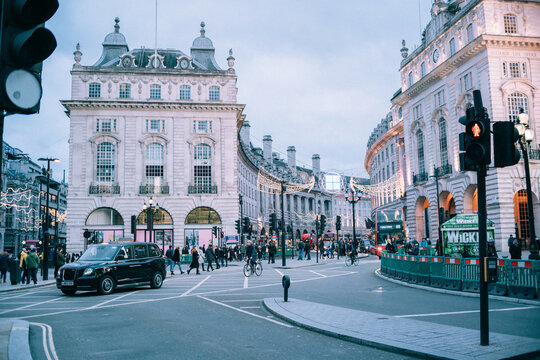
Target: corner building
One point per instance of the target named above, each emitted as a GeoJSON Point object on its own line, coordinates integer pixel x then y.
{"type": "Point", "coordinates": [152, 124]}
{"type": "Point", "coordinates": [491, 46]}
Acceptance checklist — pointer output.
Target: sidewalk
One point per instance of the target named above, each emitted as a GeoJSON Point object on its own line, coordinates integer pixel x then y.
{"type": "Point", "coordinates": [405, 336]}
{"type": "Point", "coordinates": [5, 287]}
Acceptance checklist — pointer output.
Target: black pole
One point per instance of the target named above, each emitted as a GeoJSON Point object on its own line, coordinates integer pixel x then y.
{"type": "Point", "coordinates": [46, 231]}
{"type": "Point", "coordinates": [283, 252]}
{"type": "Point", "coordinates": [241, 219]}
{"type": "Point", "coordinates": [355, 244]}
{"type": "Point", "coordinates": [533, 250]}
{"type": "Point", "coordinates": [482, 243]}
{"type": "Point", "coordinates": [317, 235]}
{"type": "Point", "coordinates": [1, 146]}
{"type": "Point", "coordinates": [292, 240]}
{"type": "Point", "coordinates": [151, 220]}
{"type": "Point", "coordinates": [440, 245]}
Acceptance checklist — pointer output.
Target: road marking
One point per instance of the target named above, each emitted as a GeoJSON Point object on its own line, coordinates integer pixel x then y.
{"type": "Point", "coordinates": [240, 300]}
{"type": "Point", "coordinates": [279, 272]}
{"type": "Point", "coordinates": [316, 273]}
{"type": "Point", "coordinates": [31, 305]}
{"type": "Point", "coordinates": [250, 307]}
{"type": "Point", "coordinates": [108, 301]}
{"type": "Point", "coordinates": [48, 343]}
{"type": "Point", "coordinates": [246, 312]}
{"type": "Point", "coordinates": [196, 286]}
{"type": "Point", "coordinates": [246, 282]}
{"type": "Point", "coordinates": [466, 312]}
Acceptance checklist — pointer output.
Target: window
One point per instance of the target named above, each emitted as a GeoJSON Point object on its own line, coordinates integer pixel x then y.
{"type": "Point", "coordinates": [94, 90]}
{"type": "Point", "coordinates": [213, 93]}
{"type": "Point", "coordinates": [140, 251]}
{"type": "Point", "coordinates": [417, 112]}
{"type": "Point", "coordinates": [155, 126]}
{"type": "Point", "coordinates": [423, 69]}
{"type": "Point", "coordinates": [185, 92]}
{"type": "Point", "coordinates": [439, 98]}
{"type": "Point", "coordinates": [154, 250]}
{"type": "Point", "coordinates": [105, 163]}
{"type": "Point", "coordinates": [443, 142]}
{"type": "Point", "coordinates": [393, 168]}
{"type": "Point", "coordinates": [514, 69]}
{"type": "Point", "coordinates": [420, 153]}
{"type": "Point", "coordinates": [516, 101]}
{"type": "Point", "coordinates": [202, 126]}
{"type": "Point", "coordinates": [470, 35]}
{"type": "Point", "coordinates": [154, 165]}
{"type": "Point", "coordinates": [105, 125]}
{"type": "Point", "coordinates": [510, 24]}
{"type": "Point", "coordinates": [155, 91]}
{"type": "Point", "coordinates": [452, 46]}
{"type": "Point", "coordinates": [410, 79]}
{"type": "Point", "coordinates": [202, 171]}
{"type": "Point", "coordinates": [125, 91]}
{"type": "Point", "coordinates": [466, 82]}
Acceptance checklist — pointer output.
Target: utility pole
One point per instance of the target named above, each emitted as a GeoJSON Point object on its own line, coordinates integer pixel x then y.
{"type": "Point", "coordinates": [283, 252]}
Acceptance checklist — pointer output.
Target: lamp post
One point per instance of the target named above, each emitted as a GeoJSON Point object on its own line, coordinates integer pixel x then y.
{"type": "Point", "coordinates": [45, 270]}
{"type": "Point", "coordinates": [352, 199]}
{"type": "Point", "coordinates": [240, 200]}
{"type": "Point", "coordinates": [527, 135]}
{"type": "Point", "coordinates": [439, 240]}
{"type": "Point", "coordinates": [150, 211]}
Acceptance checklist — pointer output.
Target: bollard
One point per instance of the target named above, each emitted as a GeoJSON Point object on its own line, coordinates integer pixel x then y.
{"type": "Point", "coordinates": [286, 282]}
{"type": "Point", "coordinates": [14, 272]}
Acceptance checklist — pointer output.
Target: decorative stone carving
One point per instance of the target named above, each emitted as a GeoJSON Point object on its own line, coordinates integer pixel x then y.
{"type": "Point", "coordinates": [155, 61]}
{"type": "Point", "coordinates": [230, 61]}
{"type": "Point", "coordinates": [127, 61]}
{"type": "Point", "coordinates": [77, 55]}
{"type": "Point", "coordinates": [404, 50]}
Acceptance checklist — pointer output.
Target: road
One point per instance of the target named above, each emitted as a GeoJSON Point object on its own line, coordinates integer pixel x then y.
{"type": "Point", "coordinates": [220, 314]}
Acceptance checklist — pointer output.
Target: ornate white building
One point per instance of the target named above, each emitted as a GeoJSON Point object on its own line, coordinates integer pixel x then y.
{"type": "Point", "coordinates": [492, 46]}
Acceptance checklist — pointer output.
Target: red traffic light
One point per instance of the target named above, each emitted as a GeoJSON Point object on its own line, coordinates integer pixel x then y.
{"type": "Point", "coordinates": [475, 129]}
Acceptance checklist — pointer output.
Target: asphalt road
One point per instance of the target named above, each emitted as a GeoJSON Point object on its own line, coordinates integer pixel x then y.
{"type": "Point", "coordinates": [220, 314]}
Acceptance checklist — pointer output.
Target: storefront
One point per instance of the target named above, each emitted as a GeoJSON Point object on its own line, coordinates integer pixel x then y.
{"type": "Point", "coordinates": [104, 225]}
{"type": "Point", "coordinates": [162, 228]}
{"type": "Point", "coordinates": [198, 229]}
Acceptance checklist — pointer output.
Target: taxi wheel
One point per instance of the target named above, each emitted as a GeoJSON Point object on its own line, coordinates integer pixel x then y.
{"type": "Point", "coordinates": [106, 285]}
{"type": "Point", "coordinates": [69, 291]}
{"type": "Point", "coordinates": [157, 280]}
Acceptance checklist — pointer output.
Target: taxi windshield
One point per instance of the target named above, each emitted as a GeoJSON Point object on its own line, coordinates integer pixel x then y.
{"type": "Point", "coordinates": [99, 253]}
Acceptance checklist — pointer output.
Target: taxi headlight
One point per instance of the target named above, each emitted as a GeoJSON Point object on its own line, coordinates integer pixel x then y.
{"type": "Point", "coordinates": [88, 271]}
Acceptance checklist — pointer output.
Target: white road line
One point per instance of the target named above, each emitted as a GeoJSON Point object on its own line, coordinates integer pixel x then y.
{"type": "Point", "coordinates": [239, 300]}
{"type": "Point", "coordinates": [246, 312]}
{"type": "Point", "coordinates": [31, 305]}
{"type": "Point", "coordinates": [196, 286]}
{"type": "Point", "coordinates": [466, 312]}
{"type": "Point", "coordinates": [279, 272]}
{"type": "Point", "coordinates": [250, 307]}
{"type": "Point", "coordinates": [245, 282]}
{"type": "Point", "coordinates": [48, 343]}
{"type": "Point", "coordinates": [116, 298]}
{"type": "Point", "coordinates": [316, 273]}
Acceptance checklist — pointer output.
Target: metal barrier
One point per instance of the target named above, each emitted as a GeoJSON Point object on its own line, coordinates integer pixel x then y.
{"type": "Point", "coordinates": [423, 270]}
{"type": "Point", "coordinates": [405, 268]}
{"type": "Point", "coordinates": [500, 287]}
{"type": "Point", "coordinates": [452, 274]}
{"type": "Point", "coordinates": [413, 269]}
{"type": "Point", "coordinates": [521, 279]}
{"type": "Point", "coordinates": [470, 280]}
{"type": "Point", "coordinates": [436, 272]}
{"type": "Point", "coordinates": [384, 263]}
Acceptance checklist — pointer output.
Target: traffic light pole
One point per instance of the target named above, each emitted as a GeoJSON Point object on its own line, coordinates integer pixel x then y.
{"type": "Point", "coordinates": [482, 243]}
{"type": "Point", "coordinates": [241, 220]}
{"type": "Point", "coordinates": [317, 235]}
{"type": "Point", "coordinates": [283, 252]}
{"type": "Point", "coordinates": [532, 232]}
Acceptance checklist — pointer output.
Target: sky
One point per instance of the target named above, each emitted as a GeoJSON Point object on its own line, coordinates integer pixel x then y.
{"type": "Point", "coordinates": [315, 74]}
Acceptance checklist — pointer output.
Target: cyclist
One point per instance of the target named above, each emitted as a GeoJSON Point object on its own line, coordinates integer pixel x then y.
{"type": "Point", "coordinates": [251, 254]}
{"type": "Point", "coordinates": [352, 254]}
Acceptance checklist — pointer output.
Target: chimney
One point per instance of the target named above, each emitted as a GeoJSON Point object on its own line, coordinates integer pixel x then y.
{"type": "Point", "coordinates": [267, 148]}
{"type": "Point", "coordinates": [245, 132]}
{"type": "Point", "coordinates": [291, 158]}
{"type": "Point", "coordinates": [316, 164]}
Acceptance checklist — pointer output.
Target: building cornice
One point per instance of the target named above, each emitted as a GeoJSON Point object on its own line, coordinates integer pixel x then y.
{"type": "Point", "coordinates": [380, 142]}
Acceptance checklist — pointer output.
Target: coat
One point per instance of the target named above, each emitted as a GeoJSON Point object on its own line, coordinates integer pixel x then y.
{"type": "Point", "coordinates": [32, 260]}
{"type": "Point", "coordinates": [210, 256]}
{"type": "Point", "coordinates": [176, 255]}
{"type": "Point", "coordinates": [60, 259]}
{"type": "Point", "coordinates": [194, 259]}
{"type": "Point", "coordinates": [4, 262]}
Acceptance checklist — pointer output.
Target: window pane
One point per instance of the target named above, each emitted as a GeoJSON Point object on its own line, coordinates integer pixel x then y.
{"type": "Point", "coordinates": [125, 91]}
{"type": "Point", "coordinates": [155, 91]}
{"type": "Point", "coordinates": [443, 142]}
{"type": "Point", "coordinates": [452, 46]}
{"type": "Point", "coordinates": [94, 90]}
{"type": "Point", "coordinates": [214, 93]}
{"type": "Point", "coordinates": [420, 144]}
{"type": "Point", "coordinates": [105, 163]}
{"type": "Point", "coordinates": [516, 101]}
{"type": "Point", "coordinates": [510, 25]}
{"type": "Point", "coordinates": [185, 92]}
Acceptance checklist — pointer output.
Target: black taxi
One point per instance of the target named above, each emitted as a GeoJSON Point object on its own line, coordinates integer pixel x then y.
{"type": "Point", "coordinates": [103, 267]}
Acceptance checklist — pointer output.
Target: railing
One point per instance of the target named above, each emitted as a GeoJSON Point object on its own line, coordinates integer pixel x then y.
{"type": "Point", "coordinates": [104, 189]}
{"type": "Point", "coordinates": [534, 154]}
{"type": "Point", "coordinates": [420, 178]}
{"type": "Point", "coordinates": [152, 189]}
{"type": "Point", "coordinates": [515, 278]}
{"type": "Point", "coordinates": [202, 189]}
{"type": "Point", "coordinates": [443, 170]}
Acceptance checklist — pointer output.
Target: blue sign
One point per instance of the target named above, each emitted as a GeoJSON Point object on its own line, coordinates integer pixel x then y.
{"type": "Point", "coordinates": [231, 239]}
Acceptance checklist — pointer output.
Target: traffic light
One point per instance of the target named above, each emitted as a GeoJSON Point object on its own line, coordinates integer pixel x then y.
{"type": "Point", "coordinates": [273, 222]}
{"type": "Point", "coordinates": [25, 44]}
{"type": "Point", "coordinates": [237, 225]}
{"type": "Point", "coordinates": [476, 140]}
{"type": "Point", "coordinates": [505, 136]}
{"type": "Point", "coordinates": [322, 223]}
{"type": "Point", "coordinates": [133, 224]}
{"type": "Point", "coordinates": [338, 222]}
{"type": "Point", "coordinates": [245, 224]}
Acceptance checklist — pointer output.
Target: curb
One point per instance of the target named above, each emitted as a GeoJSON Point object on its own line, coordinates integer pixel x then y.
{"type": "Point", "coordinates": [458, 293]}
{"type": "Point", "coordinates": [26, 287]}
{"type": "Point", "coordinates": [19, 346]}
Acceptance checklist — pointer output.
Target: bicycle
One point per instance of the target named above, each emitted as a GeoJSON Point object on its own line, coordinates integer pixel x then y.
{"type": "Point", "coordinates": [350, 261]}
{"type": "Point", "coordinates": [250, 269]}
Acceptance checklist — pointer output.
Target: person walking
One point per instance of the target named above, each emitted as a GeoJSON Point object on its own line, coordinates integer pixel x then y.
{"type": "Point", "coordinates": [272, 250]}
{"type": "Point", "coordinates": [224, 255]}
{"type": "Point", "coordinates": [194, 260]}
{"type": "Point", "coordinates": [216, 251]}
{"type": "Point", "coordinates": [60, 260]}
{"type": "Point", "coordinates": [510, 241]}
{"type": "Point", "coordinates": [22, 266]}
{"type": "Point", "coordinates": [176, 260]}
{"type": "Point", "coordinates": [332, 249]}
{"type": "Point", "coordinates": [307, 250]}
{"type": "Point", "coordinates": [210, 257]}
{"type": "Point", "coordinates": [169, 255]}
{"type": "Point", "coordinates": [300, 250]}
{"type": "Point", "coordinates": [4, 265]}
{"type": "Point", "coordinates": [515, 250]}
{"type": "Point", "coordinates": [32, 262]}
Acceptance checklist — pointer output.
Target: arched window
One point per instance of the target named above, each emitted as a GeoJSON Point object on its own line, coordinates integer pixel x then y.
{"type": "Point", "coordinates": [203, 215]}
{"type": "Point", "coordinates": [213, 93]}
{"type": "Point", "coordinates": [155, 91]}
{"type": "Point", "coordinates": [202, 169]}
{"type": "Point", "coordinates": [185, 92]}
{"type": "Point", "coordinates": [125, 91]}
{"type": "Point", "coordinates": [105, 163]}
{"type": "Point", "coordinates": [516, 101]}
{"type": "Point", "coordinates": [94, 90]}
{"type": "Point", "coordinates": [154, 166]}
{"type": "Point", "coordinates": [443, 146]}
{"type": "Point", "coordinates": [510, 24]}
{"type": "Point", "coordinates": [420, 147]}
{"type": "Point", "coordinates": [160, 217]}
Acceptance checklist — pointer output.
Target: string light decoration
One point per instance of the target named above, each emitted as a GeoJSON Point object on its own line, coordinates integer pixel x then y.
{"type": "Point", "coordinates": [392, 184]}
{"type": "Point", "coordinates": [268, 185]}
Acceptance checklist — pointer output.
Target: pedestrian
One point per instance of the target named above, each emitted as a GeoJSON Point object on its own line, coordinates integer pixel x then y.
{"type": "Point", "coordinates": [224, 255]}
{"type": "Point", "coordinates": [4, 265]}
{"type": "Point", "coordinates": [185, 250]}
{"type": "Point", "coordinates": [259, 252]}
{"type": "Point", "coordinates": [272, 252]}
{"type": "Point", "coordinates": [515, 250]}
{"type": "Point", "coordinates": [202, 259]}
{"type": "Point", "coordinates": [169, 255]}
{"type": "Point", "coordinates": [60, 260]}
{"type": "Point", "coordinates": [194, 260]}
{"type": "Point", "coordinates": [210, 256]}
{"type": "Point", "coordinates": [32, 262]}
{"type": "Point", "coordinates": [307, 250]}
{"type": "Point", "coordinates": [216, 251]}
{"type": "Point", "coordinates": [510, 241]}
{"type": "Point", "coordinates": [300, 250]}
{"type": "Point", "coordinates": [332, 249]}
{"type": "Point", "coordinates": [176, 260]}
{"type": "Point", "coordinates": [22, 266]}
{"type": "Point", "coordinates": [491, 250]}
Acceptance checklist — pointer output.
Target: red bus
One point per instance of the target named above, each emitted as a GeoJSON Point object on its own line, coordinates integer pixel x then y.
{"type": "Point", "coordinates": [389, 224]}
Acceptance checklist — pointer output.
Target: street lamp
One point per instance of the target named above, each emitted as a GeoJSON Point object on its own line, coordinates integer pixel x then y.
{"type": "Point", "coordinates": [527, 135]}
{"type": "Point", "coordinates": [440, 247]}
{"type": "Point", "coordinates": [45, 271]}
{"type": "Point", "coordinates": [352, 199]}
{"type": "Point", "coordinates": [150, 211]}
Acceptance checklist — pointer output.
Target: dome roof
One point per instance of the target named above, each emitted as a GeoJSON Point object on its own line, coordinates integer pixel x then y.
{"type": "Point", "coordinates": [202, 42]}
{"type": "Point", "coordinates": [115, 38]}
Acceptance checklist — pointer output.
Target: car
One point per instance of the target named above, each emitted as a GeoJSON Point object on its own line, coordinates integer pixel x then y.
{"type": "Point", "coordinates": [104, 267]}
{"type": "Point", "coordinates": [367, 247]}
